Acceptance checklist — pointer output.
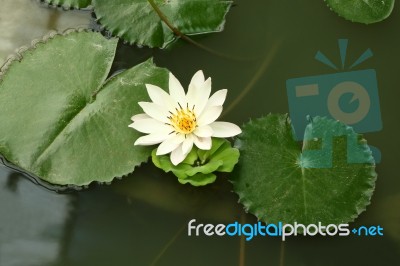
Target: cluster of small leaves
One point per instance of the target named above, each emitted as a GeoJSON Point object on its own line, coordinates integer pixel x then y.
{"type": "Point", "coordinates": [199, 166]}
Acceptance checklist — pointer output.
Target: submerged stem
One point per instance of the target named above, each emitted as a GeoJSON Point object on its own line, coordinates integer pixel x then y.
{"type": "Point", "coordinates": [178, 33]}
{"type": "Point", "coordinates": [242, 247]}
{"type": "Point", "coordinates": [264, 65]}
{"type": "Point", "coordinates": [166, 247]}
{"type": "Point", "coordinates": [282, 255]}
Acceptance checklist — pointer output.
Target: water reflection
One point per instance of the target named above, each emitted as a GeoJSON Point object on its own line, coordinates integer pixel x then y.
{"type": "Point", "coordinates": [12, 181]}
{"type": "Point", "coordinates": [389, 215]}
{"type": "Point", "coordinates": [148, 184]}
{"type": "Point", "coordinates": [32, 221]}
{"type": "Point", "coordinates": [22, 21]}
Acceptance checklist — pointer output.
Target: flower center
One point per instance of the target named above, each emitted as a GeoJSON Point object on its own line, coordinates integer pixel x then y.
{"type": "Point", "coordinates": [183, 120]}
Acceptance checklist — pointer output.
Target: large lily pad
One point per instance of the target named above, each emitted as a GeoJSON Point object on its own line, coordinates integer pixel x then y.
{"type": "Point", "coordinates": [330, 180]}
{"type": "Point", "coordinates": [63, 121]}
{"type": "Point", "coordinates": [136, 21]}
{"type": "Point", "coordinates": [362, 11]}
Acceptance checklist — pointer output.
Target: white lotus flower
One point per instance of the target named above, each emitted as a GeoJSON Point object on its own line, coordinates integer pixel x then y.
{"type": "Point", "coordinates": [178, 121]}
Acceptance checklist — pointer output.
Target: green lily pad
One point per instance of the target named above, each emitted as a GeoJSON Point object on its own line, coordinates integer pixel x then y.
{"type": "Point", "coordinates": [362, 11]}
{"type": "Point", "coordinates": [137, 22]}
{"type": "Point", "coordinates": [70, 3]}
{"type": "Point", "coordinates": [62, 120]}
{"type": "Point", "coordinates": [277, 181]}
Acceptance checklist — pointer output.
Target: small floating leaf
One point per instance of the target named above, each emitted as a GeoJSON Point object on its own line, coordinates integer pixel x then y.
{"type": "Point", "coordinates": [136, 21]}
{"type": "Point", "coordinates": [362, 11]}
{"type": "Point", "coordinates": [63, 121]}
{"type": "Point", "coordinates": [70, 3]}
{"type": "Point", "coordinates": [277, 181]}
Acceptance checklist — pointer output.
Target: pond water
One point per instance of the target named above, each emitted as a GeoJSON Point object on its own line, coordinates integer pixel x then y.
{"type": "Point", "coordinates": [142, 219]}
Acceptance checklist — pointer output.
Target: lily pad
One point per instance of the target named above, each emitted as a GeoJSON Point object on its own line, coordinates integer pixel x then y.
{"type": "Point", "coordinates": [277, 181]}
{"type": "Point", "coordinates": [362, 11]}
{"type": "Point", "coordinates": [136, 21]}
{"type": "Point", "coordinates": [70, 3]}
{"type": "Point", "coordinates": [62, 120]}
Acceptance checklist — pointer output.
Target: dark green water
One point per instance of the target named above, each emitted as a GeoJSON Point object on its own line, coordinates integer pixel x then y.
{"type": "Point", "coordinates": [142, 219]}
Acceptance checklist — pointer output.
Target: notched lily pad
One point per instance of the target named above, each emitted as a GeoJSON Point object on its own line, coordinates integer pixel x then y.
{"type": "Point", "coordinates": [362, 11]}
{"type": "Point", "coordinates": [62, 120]}
{"type": "Point", "coordinates": [137, 22]}
{"type": "Point", "coordinates": [330, 180]}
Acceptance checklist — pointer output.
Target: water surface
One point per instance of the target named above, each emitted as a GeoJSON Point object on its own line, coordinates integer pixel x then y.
{"type": "Point", "coordinates": [141, 219]}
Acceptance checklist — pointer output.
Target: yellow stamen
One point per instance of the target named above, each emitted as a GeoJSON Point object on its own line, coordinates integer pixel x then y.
{"type": "Point", "coordinates": [183, 120]}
